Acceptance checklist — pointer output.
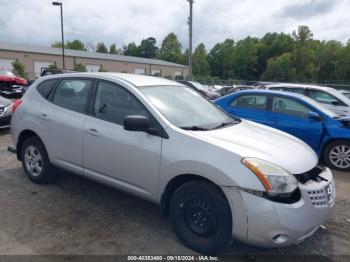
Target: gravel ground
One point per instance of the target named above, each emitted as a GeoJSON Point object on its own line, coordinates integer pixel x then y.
{"type": "Point", "coordinates": [74, 216]}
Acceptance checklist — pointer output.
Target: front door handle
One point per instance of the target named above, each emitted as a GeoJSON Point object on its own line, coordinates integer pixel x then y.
{"type": "Point", "coordinates": [93, 132]}
{"type": "Point", "coordinates": [44, 116]}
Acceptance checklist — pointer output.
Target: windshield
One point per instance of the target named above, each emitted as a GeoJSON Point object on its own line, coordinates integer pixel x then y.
{"type": "Point", "coordinates": [185, 108]}
{"type": "Point", "coordinates": [7, 73]}
{"type": "Point", "coordinates": [199, 86]}
{"type": "Point", "coordinates": [320, 107]}
{"type": "Point", "coordinates": [346, 94]}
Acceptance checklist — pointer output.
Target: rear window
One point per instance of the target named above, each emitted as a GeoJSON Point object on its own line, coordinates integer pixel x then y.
{"type": "Point", "coordinates": [46, 87]}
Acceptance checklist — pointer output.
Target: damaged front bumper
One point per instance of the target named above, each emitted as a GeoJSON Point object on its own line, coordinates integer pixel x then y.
{"type": "Point", "coordinates": [266, 223]}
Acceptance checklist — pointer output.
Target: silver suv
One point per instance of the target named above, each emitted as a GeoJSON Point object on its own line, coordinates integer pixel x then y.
{"type": "Point", "coordinates": [216, 176]}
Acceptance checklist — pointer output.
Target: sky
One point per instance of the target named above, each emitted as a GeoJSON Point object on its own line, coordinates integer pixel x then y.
{"type": "Point", "coordinates": [122, 21]}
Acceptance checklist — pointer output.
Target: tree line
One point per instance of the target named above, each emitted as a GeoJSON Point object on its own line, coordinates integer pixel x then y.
{"type": "Point", "coordinates": [295, 57]}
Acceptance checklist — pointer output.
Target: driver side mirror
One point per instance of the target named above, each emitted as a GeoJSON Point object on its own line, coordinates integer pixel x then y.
{"type": "Point", "coordinates": [136, 123]}
{"type": "Point", "coordinates": [314, 116]}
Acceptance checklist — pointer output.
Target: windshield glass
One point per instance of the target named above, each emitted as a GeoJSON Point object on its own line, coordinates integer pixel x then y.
{"type": "Point", "coordinates": [7, 73]}
{"type": "Point", "coordinates": [320, 107]}
{"type": "Point", "coordinates": [346, 94]}
{"type": "Point", "coordinates": [199, 86]}
{"type": "Point", "coordinates": [185, 108]}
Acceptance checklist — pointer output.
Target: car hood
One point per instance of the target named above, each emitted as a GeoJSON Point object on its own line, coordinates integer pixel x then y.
{"type": "Point", "coordinates": [339, 110]}
{"type": "Point", "coordinates": [16, 79]}
{"type": "Point", "coordinates": [249, 139]}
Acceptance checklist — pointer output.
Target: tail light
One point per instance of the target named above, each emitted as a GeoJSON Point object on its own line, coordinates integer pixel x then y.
{"type": "Point", "coordinates": [16, 104]}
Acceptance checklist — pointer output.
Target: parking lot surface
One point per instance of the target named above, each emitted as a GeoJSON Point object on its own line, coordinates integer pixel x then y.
{"type": "Point", "coordinates": [75, 216]}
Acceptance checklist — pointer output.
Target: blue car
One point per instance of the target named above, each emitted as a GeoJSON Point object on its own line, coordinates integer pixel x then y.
{"type": "Point", "coordinates": [324, 131]}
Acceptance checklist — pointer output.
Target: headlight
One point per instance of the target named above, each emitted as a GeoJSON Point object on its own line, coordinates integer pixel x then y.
{"type": "Point", "coordinates": [8, 108]}
{"type": "Point", "coordinates": [275, 179]}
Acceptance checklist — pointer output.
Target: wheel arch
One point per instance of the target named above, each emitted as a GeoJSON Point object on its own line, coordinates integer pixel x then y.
{"type": "Point", "coordinates": [175, 183]}
{"type": "Point", "coordinates": [327, 143]}
{"type": "Point", "coordinates": [23, 136]}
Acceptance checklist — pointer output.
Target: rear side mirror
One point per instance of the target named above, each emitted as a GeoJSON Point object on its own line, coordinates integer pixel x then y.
{"type": "Point", "coordinates": [314, 116]}
{"type": "Point", "coordinates": [136, 123]}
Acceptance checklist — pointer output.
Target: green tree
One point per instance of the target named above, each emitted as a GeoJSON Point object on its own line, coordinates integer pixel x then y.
{"type": "Point", "coordinates": [272, 45]}
{"type": "Point", "coordinates": [343, 64]}
{"type": "Point", "coordinates": [245, 59]}
{"type": "Point", "coordinates": [171, 49]}
{"type": "Point", "coordinates": [131, 49]}
{"type": "Point", "coordinates": [280, 68]}
{"type": "Point", "coordinates": [79, 67]}
{"type": "Point", "coordinates": [200, 61]}
{"type": "Point", "coordinates": [57, 44]}
{"type": "Point", "coordinates": [101, 48]}
{"type": "Point", "coordinates": [221, 59]}
{"type": "Point", "coordinates": [303, 53]}
{"type": "Point", "coordinates": [102, 69]}
{"type": "Point", "coordinates": [75, 45]}
{"type": "Point", "coordinates": [19, 69]}
{"type": "Point", "coordinates": [114, 50]}
{"type": "Point", "coordinates": [148, 48]}
{"type": "Point", "coordinates": [324, 59]}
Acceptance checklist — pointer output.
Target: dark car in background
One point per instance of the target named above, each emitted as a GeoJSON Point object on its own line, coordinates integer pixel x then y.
{"type": "Point", "coordinates": [5, 112]}
{"type": "Point", "coordinates": [235, 88]}
{"type": "Point", "coordinates": [205, 91]}
{"type": "Point", "coordinates": [11, 86]}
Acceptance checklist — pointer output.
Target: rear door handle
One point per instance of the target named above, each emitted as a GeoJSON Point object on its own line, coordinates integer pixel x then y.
{"type": "Point", "coordinates": [93, 132]}
{"type": "Point", "coordinates": [44, 116]}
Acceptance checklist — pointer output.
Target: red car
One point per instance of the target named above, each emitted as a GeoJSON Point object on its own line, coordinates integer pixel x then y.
{"type": "Point", "coordinates": [11, 85]}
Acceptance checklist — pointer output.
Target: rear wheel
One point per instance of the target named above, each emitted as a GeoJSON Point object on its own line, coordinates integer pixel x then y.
{"type": "Point", "coordinates": [35, 161]}
{"type": "Point", "coordinates": [337, 155]}
{"type": "Point", "coordinates": [201, 217]}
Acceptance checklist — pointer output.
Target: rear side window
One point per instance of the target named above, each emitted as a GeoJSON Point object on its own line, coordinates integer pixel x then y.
{"type": "Point", "coordinates": [289, 107]}
{"type": "Point", "coordinates": [72, 94]}
{"type": "Point", "coordinates": [46, 87]}
{"type": "Point", "coordinates": [250, 101]}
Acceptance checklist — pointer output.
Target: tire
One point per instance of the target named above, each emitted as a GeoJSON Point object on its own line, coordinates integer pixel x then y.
{"type": "Point", "coordinates": [201, 217]}
{"type": "Point", "coordinates": [337, 155]}
{"type": "Point", "coordinates": [35, 161]}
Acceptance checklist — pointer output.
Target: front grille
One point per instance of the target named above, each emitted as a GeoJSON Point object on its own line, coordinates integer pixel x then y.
{"type": "Point", "coordinates": [322, 197]}
{"type": "Point", "coordinates": [6, 86]}
{"type": "Point", "coordinates": [312, 174]}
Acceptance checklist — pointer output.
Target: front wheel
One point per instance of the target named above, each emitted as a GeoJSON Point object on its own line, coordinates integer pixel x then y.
{"type": "Point", "coordinates": [337, 155]}
{"type": "Point", "coordinates": [201, 217]}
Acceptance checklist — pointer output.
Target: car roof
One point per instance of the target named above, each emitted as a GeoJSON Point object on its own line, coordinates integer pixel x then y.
{"type": "Point", "coordinates": [267, 92]}
{"type": "Point", "coordinates": [291, 85]}
{"type": "Point", "coordinates": [136, 80]}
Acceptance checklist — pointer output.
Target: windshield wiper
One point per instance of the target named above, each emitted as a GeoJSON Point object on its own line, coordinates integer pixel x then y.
{"type": "Point", "coordinates": [194, 128]}
{"type": "Point", "coordinates": [223, 124]}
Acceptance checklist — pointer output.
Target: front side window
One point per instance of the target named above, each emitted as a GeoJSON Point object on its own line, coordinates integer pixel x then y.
{"type": "Point", "coordinates": [323, 97]}
{"type": "Point", "coordinates": [72, 94]}
{"type": "Point", "coordinates": [185, 108]}
{"type": "Point", "coordinates": [250, 101]}
{"type": "Point", "coordinates": [113, 103]}
{"type": "Point", "coordinates": [289, 107]}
